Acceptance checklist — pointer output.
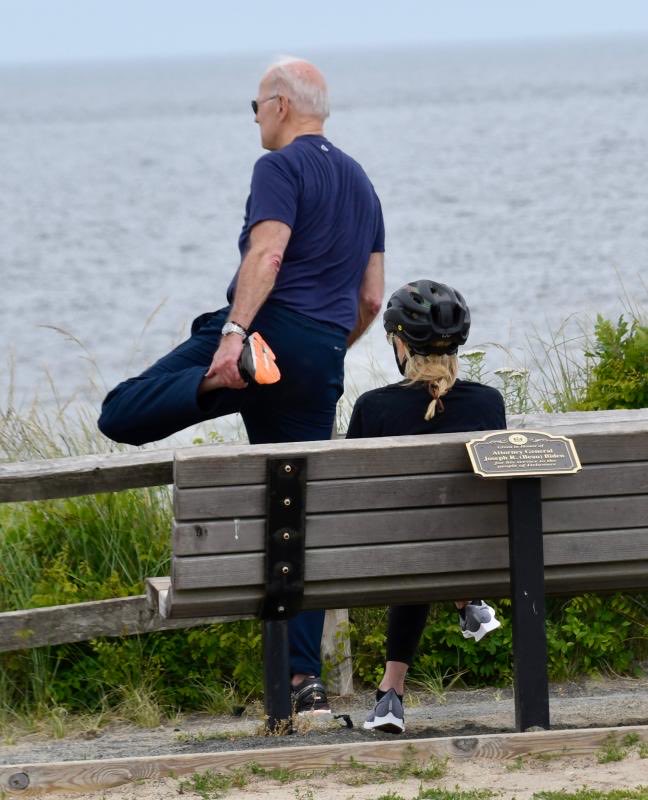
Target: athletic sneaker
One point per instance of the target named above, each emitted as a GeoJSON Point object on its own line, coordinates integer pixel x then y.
{"type": "Point", "coordinates": [477, 619]}
{"type": "Point", "coordinates": [387, 715]}
{"type": "Point", "coordinates": [309, 697]}
{"type": "Point", "coordinates": [257, 361]}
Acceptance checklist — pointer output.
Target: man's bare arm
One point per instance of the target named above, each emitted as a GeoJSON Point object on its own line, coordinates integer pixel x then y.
{"type": "Point", "coordinates": [257, 277]}
{"type": "Point", "coordinates": [371, 294]}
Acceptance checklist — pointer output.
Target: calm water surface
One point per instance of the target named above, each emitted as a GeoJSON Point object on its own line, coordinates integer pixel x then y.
{"type": "Point", "coordinates": [517, 173]}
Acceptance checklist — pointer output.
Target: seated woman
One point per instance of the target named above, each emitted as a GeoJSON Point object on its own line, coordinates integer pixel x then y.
{"type": "Point", "coordinates": [425, 322]}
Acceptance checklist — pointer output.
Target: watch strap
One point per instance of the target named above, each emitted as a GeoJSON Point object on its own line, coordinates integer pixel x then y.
{"type": "Point", "coordinates": [233, 327]}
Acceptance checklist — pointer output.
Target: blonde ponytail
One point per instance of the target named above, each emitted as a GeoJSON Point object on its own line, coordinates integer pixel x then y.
{"type": "Point", "coordinates": [438, 372]}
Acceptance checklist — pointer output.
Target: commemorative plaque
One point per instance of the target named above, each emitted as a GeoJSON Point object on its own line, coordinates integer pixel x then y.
{"type": "Point", "coordinates": [523, 454]}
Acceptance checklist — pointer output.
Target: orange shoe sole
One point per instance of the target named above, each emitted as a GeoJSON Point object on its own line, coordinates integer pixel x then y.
{"type": "Point", "coordinates": [257, 362]}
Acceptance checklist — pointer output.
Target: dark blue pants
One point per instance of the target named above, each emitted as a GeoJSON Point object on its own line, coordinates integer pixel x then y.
{"type": "Point", "coordinates": [300, 407]}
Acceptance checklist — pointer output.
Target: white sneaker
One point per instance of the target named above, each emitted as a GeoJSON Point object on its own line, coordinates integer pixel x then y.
{"type": "Point", "coordinates": [387, 715]}
{"type": "Point", "coordinates": [477, 619]}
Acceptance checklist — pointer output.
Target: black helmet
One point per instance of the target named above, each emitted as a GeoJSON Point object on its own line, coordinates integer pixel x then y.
{"type": "Point", "coordinates": [429, 317]}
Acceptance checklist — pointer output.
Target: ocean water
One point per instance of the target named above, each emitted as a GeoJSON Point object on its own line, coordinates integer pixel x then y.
{"type": "Point", "coordinates": [517, 172]}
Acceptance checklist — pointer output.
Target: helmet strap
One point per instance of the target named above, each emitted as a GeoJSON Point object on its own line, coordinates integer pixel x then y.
{"type": "Point", "coordinates": [400, 364]}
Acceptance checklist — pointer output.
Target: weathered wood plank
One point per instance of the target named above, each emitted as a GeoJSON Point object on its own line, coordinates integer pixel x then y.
{"type": "Point", "coordinates": [85, 776]}
{"type": "Point", "coordinates": [431, 558]}
{"type": "Point", "coordinates": [604, 480]}
{"type": "Point", "coordinates": [559, 580]}
{"type": "Point", "coordinates": [206, 572]}
{"type": "Point", "coordinates": [328, 530]}
{"type": "Point", "coordinates": [240, 465]}
{"type": "Point", "coordinates": [339, 458]}
{"type": "Point", "coordinates": [594, 513]}
{"type": "Point", "coordinates": [418, 524]}
{"type": "Point", "coordinates": [68, 477]}
{"type": "Point", "coordinates": [78, 622]}
{"type": "Point", "coordinates": [350, 495]}
{"type": "Point", "coordinates": [406, 491]}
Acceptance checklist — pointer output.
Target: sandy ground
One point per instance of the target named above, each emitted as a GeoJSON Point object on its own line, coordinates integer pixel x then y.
{"type": "Point", "coordinates": [600, 703]}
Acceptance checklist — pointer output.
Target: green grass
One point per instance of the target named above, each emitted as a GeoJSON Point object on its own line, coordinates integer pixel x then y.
{"type": "Point", "coordinates": [210, 784]}
{"type": "Point", "coordinates": [356, 773]}
{"type": "Point", "coordinates": [611, 751]}
{"type": "Point", "coordinates": [639, 793]}
{"type": "Point", "coordinates": [516, 765]}
{"type": "Point", "coordinates": [454, 794]}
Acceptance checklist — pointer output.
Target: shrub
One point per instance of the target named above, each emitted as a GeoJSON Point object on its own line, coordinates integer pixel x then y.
{"type": "Point", "coordinates": [619, 375]}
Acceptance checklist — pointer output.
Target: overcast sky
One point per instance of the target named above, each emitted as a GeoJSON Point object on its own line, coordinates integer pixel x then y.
{"type": "Point", "coordinates": [45, 30]}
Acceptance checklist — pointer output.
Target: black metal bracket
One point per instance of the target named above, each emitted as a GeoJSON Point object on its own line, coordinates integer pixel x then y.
{"type": "Point", "coordinates": [527, 592]}
{"type": "Point", "coordinates": [285, 538]}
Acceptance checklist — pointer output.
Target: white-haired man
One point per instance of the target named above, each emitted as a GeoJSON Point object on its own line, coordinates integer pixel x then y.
{"type": "Point", "coordinates": [310, 281]}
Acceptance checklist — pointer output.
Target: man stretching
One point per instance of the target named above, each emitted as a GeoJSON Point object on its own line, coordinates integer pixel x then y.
{"type": "Point", "coordinates": [310, 282]}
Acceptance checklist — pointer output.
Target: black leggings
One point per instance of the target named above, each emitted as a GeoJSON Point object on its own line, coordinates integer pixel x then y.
{"type": "Point", "coordinates": [404, 630]}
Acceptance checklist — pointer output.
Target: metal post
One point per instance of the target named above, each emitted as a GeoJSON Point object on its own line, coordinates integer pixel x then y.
{"type": "Point", "coordinates": [527, 593]}
{"type": "Point", "coordinates": [276, 676]}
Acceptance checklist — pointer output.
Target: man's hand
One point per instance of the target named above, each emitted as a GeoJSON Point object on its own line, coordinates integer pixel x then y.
{"type": "Point", "coordinates": [224, 371]}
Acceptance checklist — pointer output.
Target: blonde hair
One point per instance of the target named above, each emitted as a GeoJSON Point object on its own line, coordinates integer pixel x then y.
{"type": "Point", "coordinates": [438, 372]}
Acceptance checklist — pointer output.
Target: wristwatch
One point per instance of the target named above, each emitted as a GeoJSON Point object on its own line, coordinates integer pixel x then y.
{"type": "Point", "coordinates": [233, 327]}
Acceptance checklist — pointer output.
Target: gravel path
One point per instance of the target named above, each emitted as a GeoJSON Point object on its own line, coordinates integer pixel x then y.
{"type": "Point", "coordinates": [591, 703]}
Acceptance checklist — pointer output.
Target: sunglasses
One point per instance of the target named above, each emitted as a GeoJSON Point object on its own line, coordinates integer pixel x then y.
{"type": "Point", "coordinates": [256, 103]}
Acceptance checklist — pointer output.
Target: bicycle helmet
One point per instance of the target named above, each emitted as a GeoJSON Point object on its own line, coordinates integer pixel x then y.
{"type": "Point", "coordinates": [430, 317]}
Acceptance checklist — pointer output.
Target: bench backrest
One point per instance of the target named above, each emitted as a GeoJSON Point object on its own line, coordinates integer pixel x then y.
{"type": "Point", "coordinates": [404, 519]}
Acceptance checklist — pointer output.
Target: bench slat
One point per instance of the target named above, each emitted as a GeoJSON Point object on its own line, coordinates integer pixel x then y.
{"type": "Point", "coordinates": [428, 558]}
{"type": "Point", "coordinates": [559, 580]}
{"type": "Point", "coordinates": [329, 496]}
{"type": "Point", "coordinates": [228, 465]}
{"type": "Point", "coordinates": [594, 513]}
{"type": "Point", "coordinates": [327, 530]}
{"type": "Point", "coordinates": [419, 524]}
{"type": "Point", "coordinates": [406, 492]}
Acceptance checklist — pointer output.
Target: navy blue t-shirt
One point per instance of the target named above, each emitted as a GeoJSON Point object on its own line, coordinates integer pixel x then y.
{"type": "Point", "coordinates": [399, 410]}
{"type": "Point", "coordinates": [336, 220]}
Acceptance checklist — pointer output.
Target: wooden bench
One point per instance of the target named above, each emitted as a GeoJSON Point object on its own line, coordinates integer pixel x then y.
{"type": "Point", "coordinates": [395, 520]}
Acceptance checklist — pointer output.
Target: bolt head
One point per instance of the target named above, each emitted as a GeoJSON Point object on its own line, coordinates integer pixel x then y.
{"type": "Point", "coordinates": [287, 468]}
{"type": "Point", "coordinates": [287, 501]}
{"type": "Point", "coordinates": [19, 780]}
{"type": "Point", "coordinates": [286, 536]}
{"type": "Point", "coordinates": [285, 570]}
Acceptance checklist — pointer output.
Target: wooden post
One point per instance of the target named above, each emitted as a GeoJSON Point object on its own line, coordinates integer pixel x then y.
{"type": "Point", "coordinates": [335, 637]}
{"type": "Point", "coordinates": [527, 593]}
{"type": "Point", "coordinates": [336, 650]}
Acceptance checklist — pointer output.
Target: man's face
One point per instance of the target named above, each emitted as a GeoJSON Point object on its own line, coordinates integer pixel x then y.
{"type": "Point", "coordinates": [267, 117]}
